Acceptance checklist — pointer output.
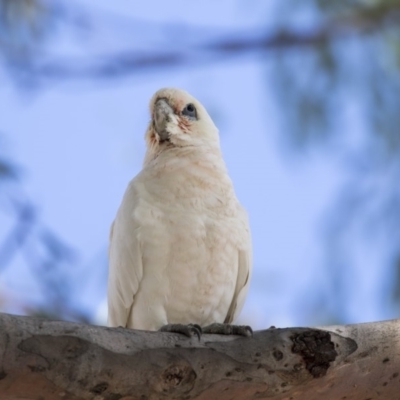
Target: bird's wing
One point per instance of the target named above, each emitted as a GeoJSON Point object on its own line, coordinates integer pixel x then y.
{"type": "Point", "coordinates": [242, 282]}
{"type": "Point", "coordinates": [125, 262]}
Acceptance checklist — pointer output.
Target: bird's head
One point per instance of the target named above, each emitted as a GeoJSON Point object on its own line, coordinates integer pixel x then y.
{"type": "Point", "coordinates": [178, 119]}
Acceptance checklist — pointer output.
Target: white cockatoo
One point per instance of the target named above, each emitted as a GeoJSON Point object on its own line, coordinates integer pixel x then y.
{"type": "Point", "coordinates": [180, 252]}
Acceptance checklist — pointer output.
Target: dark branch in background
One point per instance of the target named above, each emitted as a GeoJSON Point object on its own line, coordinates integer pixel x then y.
{"type": "Point", "coordinates": [44, 253]}
{"type": "Point", "coordinates": [18, 235]}
{"type": "Point", "coordinates": [122, 64]}
{"type": "Point", "coordinates": [7, 171]}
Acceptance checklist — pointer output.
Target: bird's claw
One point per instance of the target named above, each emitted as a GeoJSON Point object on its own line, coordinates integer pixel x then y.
{"type": "Point", "coordinates": [188, 330]}
{"type": "Point", "coordinates": [227, 329]}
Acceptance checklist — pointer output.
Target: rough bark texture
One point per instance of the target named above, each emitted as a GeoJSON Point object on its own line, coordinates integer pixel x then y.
{"type": "Point", "coordinates": [49, 360]}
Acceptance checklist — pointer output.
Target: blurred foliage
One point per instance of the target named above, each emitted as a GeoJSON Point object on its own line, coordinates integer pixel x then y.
{"type": "Point", "coordinates": [46, 255]}
{"type": "Point", "coordinates": [6, 170]}
{"type": "Point", "coordinates": [23, 27]}
{"type": "Point", "coordinates": [338, 66]}
{"type": "Point", "coordinates": [352, 74]}
{"type": "Point", "coordinates": [355, 61]}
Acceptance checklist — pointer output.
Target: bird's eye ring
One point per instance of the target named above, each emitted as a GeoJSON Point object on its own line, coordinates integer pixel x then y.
{"type": "Point", "coordinates": [190, 111]}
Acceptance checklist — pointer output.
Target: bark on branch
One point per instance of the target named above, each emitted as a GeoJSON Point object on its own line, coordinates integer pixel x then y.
{"type": "Point", "coordinates": [48, 360]}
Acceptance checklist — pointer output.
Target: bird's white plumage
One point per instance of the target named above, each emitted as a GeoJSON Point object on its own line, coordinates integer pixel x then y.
{"type": "Point", "coordinates": [180, 247]}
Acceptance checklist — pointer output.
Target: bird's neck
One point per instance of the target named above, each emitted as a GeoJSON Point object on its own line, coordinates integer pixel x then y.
{"type": "Point", "coordinates": [191, 173]}
{"type": "Point", "coordinates": [173, 158]}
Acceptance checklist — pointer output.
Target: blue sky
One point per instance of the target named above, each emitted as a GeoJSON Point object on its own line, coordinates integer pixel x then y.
{"type": "Point", "coordinates": [80, 143]}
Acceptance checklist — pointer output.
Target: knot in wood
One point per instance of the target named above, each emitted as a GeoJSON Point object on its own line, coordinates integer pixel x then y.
{"type": "Point", "coordinates": [317, 350]}
{"type": "Point", "coordinates": [178, 378]}
{"type": "Point", "coordinates": [99, 388]}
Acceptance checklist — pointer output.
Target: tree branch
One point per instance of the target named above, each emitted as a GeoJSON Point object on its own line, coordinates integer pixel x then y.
{"type": "Point", "coordinates": [360, 21]}
{"type": "Point", "coordinates": [53, 360]}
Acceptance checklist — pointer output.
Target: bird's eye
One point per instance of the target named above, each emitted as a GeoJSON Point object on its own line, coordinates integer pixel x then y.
{"type": "Point", "coordinates": [190, 111]}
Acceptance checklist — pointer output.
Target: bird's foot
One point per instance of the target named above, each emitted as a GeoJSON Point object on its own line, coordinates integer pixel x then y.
{"type": "Point", "coordinates": [227, 329]}
{"type": "Point", "coordinates": [188, 330]}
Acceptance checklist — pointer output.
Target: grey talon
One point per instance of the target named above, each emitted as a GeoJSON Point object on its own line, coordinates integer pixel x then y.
{"type": "Point", "coordinates": [188, 330]}
{"type": "Point", "coordinates": [227, 329]}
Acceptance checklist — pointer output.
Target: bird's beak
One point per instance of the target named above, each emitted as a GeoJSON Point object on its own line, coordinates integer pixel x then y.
{"type": "Point", "coordinates": [161, 116]}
